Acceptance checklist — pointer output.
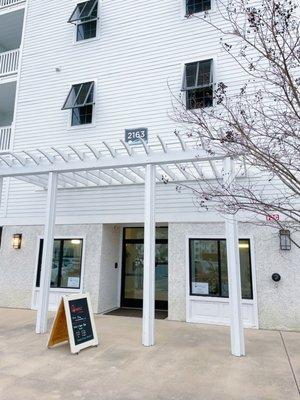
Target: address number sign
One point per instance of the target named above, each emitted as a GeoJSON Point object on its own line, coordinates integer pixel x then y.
{"type": "Point", "coordinates": [133, 136]}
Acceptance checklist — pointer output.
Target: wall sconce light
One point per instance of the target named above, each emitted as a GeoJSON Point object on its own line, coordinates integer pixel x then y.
{"type": "Point", "coordinates": [17, 241]}
{"type": "Point", "coordinates": [285, 239]}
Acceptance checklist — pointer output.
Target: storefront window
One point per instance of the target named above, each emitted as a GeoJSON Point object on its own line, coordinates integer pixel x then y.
{"type": "Point", "coordinates": [66, 264]}
{"type": "Point", "coordinates": [208, 268]}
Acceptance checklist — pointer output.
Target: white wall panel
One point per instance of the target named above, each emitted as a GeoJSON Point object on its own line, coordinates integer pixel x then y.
{"type": "Point", "coordinates": [137, 65]}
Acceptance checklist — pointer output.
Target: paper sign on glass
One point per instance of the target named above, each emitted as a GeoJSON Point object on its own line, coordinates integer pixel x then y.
{"type": "Point", "coordinates": [73, 282]}
{"type": "Point", "coordinates": [200, 288]}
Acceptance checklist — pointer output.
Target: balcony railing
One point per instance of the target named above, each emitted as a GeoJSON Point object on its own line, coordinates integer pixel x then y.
{"type": "Point", "coordinates": [8, 3]}
{"type": "Point", "coordinates": [9, 62]}
{"type": "Point", "coordinates": [5, 139]}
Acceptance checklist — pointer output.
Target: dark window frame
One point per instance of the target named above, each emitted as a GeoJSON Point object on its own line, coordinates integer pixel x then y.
{"type": "Point", "coordinates": [218, 240]}
{"type": "Point", "coordinates": [80, 101]}
{"type": "Point", "coordinates": [134, 303]}
{"type": "Point", "coordinates": [87, 27]}
{"type": "Point", "coordinates": [39, 266]}
{"type": "Point", "coordinates": [198, 88]}
{"type": "Point", "coordinates": [191, 9]}
{"type": "Point", "coordinates": [81, 18]}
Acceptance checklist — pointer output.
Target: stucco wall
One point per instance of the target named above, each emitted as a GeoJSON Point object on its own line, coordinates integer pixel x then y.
{"type": "Point", "coordinates": [18, 267]}
{"type": "Point", "coordinates": [278, 307]}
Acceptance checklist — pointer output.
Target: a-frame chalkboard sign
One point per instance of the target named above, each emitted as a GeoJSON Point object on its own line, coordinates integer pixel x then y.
{"type": "Point", "coordinates": [74, 322]}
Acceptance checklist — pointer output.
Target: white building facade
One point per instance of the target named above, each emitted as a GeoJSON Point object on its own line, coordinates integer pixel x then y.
{"type": "Point", "coordinates": [85, 76]}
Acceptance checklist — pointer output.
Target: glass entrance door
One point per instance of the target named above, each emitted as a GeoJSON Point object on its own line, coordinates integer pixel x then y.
{"type": "Point", "coordinates": [133, 266]}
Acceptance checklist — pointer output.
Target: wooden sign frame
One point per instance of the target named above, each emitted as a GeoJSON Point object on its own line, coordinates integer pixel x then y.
{"type": "Point", "coordinates": [62, 328]}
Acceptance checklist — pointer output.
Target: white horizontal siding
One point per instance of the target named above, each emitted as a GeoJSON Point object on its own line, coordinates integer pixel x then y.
{"type": "Point", "coordinates": [140, 51]}
{"type": "Point", "coordinates": [122, 204]}
{"type": "Point", "coordinates": [137, 63]}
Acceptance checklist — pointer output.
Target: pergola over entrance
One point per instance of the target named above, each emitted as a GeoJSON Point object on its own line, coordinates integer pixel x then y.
{"type": "Point", "coordinates": [178, 161]}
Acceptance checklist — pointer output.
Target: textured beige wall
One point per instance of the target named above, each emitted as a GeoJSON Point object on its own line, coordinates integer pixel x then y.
{"type": "Point", "coordinates": [18, 267]}
{"type": "Point", "coordinates": [278, 307]}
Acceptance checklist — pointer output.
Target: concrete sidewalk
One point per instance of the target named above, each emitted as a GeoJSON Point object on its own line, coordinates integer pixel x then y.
{"type": "Point", "coordinates": [188, 362]}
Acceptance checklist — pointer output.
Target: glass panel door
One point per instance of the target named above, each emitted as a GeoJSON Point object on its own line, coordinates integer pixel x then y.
{"type": "Point", "coordinates": [161, 273]}
{"type": "Point", "coordinates": [133, 268]}
{"type": "Point", "coordinates": [133, 271]}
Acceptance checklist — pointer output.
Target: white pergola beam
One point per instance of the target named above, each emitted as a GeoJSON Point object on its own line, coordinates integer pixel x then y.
{"type": "Point", "coordinates": [43, 299]}
{"type": "Point", "coordinates": [66, 179]}
{"type": "Point", "coordinates": [170, 173]}
{"type": "Point", "coordinates": [108, 163]}
{"type": "Point", "coordinates": [80, 179]}
{"type": "Point", "coordinates": [138, 172]}
{"type": "Point", "coordinates": [198, 170]}
{"type": "Point", "coordinates": [103, 177]}
{"type": "Point", "coordinates": [234, 273]}
{"type": "Point", "coordinates": [34, 180]}
{"type": "Point", "coordinates": [85, 179]}
{"type": "Point", "coordinates": [96, 179]}
{"type": "Point", "coordinates": [149, 258]}
{"type": "Point", "coordinates": [128, 175]}
{"type": "Point", "coordinates": [113, 175]}
{"type": "Point", "coordinates": [186, 175]}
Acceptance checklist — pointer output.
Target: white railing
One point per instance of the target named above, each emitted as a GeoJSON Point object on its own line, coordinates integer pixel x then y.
{"type": "Point", "coordinates": [9, 62]}
{"type": "Point", "coordinates": [5, 138]}
{"type": "Point", "coordinates": [8, 3]}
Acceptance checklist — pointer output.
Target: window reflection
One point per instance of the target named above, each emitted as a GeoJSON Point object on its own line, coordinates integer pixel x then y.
{"type": "Point", "coordinates": [208, 268]}
{"type": "Point", "coordinates": [66, 264]}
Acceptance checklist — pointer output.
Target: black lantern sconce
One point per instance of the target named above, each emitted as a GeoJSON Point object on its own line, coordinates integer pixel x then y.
{"type": "Point", "coordinates": [17, 241]}
{"type": "Point", "coordinates": [285, 239]}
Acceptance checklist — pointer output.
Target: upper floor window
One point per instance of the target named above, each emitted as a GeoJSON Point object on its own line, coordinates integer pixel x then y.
{"type": "Point", "coordinates": [85, 17]}
{"type": "Point", "coordinates": [196, 6]}
{"type": "Point", "coordinates": [80, 101]}
{"type": "Point", "coordinates": [198, 84]}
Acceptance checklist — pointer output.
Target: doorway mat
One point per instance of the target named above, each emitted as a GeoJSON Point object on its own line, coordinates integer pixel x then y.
{"type": "Point", "coordinates": [136, 313]}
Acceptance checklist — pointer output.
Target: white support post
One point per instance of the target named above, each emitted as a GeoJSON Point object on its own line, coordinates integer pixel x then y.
{"type": "Point", "coordinates": [1, 189]}
{"type": "Point", "coordinates": [149, 258]}
{"type": "Point", "coordinates": [234, 274]}
{"type": "Point", "coordinates": [43, 300]}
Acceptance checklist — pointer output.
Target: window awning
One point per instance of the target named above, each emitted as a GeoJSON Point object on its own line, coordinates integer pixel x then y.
{"type": "Point", "coordinates": [80, 95]}
{"type": "Point", "coordinates": [83, 11]}
{"type": "Point", "coordinates": [198, 75]}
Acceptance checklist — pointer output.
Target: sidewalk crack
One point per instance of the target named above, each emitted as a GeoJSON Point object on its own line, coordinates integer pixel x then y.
{"type": "Point", "coordinates": [290, 362]}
